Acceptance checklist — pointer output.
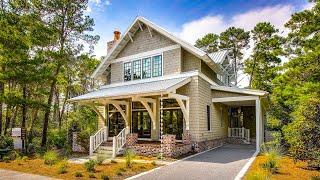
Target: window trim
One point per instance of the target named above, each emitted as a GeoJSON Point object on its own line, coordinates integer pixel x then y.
{"type": "Point", "coordinates": [141, 59]}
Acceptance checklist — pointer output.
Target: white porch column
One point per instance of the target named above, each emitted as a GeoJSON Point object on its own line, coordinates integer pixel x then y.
{"type": "Point", "coordinates": [259, 132]}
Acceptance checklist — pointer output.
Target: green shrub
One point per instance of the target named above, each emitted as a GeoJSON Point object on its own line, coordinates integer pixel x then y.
{"type": "Point", "coordinates": [153, 163]}
{"type": "Point", "coordinates": [129, 155]}
{"type": "Point", "coordinates": [57, 138]}
{"type": "Point", "coordinates": [14, 155]}
{"type": "Point", "coordinates": [21, 159]}
{"type": "Point", "coordinates": [50, 158]}
{"type": "Point", "coordinates": [91, 175]}
{"type": "Point", "coordinates": [159, 156]}
{"type": "Point", "coordinates": [6, 142]}
{"type": "Point", "coordinates": [90, 165]}
{"type": "Point", "coordinates": [78, 174]}
{"type": "Point", "coordinates": [273, 155]}
{"type": "Point", "coordinates": [259, 175]}
{"type": "Point", "coordinates": [6, 159]}
{"type": "Point", "coordinates": [104, 177]}
{"type": "Point", "coordinates": [83, 139]}
{"type": "Point", "coordinates": [62, 168]}
{"type": "Point", "coordinates": [100, 159]}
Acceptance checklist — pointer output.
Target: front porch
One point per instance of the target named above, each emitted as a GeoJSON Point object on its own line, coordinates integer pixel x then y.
{"type": "Point", "coordinates": [146, 111]}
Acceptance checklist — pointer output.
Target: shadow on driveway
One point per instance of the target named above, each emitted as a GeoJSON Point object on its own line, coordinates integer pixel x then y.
{"type": "Point", "coordinates": [222, 163]}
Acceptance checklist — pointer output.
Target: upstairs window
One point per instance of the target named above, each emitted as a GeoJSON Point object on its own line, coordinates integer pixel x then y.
{"type": "Point", "coordinates": [127, 71]}
{"type": "Point", "coordinates": [156, 66]}
{"type": "Point", "coordinates": [143, 68]}
{"type": "Point", "coordinates": [136, 69]}
{"type": "Point", "coordinates": [146, 68]}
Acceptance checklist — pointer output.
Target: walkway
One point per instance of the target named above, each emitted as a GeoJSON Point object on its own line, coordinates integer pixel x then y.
{"type": "Point", "coordinates": [222, 163]}
{"type": "Point", "coordinates": [8, 175]}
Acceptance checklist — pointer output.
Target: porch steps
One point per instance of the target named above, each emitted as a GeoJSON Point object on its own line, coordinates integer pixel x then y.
{"type": "Point", "coordinates": [105, 149]}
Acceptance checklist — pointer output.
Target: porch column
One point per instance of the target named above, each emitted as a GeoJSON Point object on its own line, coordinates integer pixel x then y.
{"type": "Point", "coordinates": [259, 132]}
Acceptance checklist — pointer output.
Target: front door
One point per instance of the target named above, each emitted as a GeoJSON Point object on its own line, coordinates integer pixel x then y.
{"type": "Point", "coordinates": [141, 124]}
{"type": "Point", "coordinates": [173, 122]}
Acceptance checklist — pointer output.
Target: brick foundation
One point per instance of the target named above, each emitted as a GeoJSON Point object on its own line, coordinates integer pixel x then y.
{"type": "Point", "coordinates": [75, 146]}
{"type": "Point", "coordinates": [205, 145]}
{"type": "Point", "coordinates": [131, 139]}
{"type": "Point", "coordinates": [186, 138]}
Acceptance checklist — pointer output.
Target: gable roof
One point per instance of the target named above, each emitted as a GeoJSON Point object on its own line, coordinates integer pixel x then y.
{"type": "Point", "coordinates": [133, 28]}
{"type": "Point", "coordinates": [219, 56]}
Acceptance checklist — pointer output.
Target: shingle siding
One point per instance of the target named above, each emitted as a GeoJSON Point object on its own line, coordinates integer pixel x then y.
{"type": "Point", "coordinates": [142, 42]}
{"type": "Point", "coordinates": [172, 61]}
{"type": "Point", "coordinates": [116, 72]}
{"type": "Point", "coordinates": [190, 62]}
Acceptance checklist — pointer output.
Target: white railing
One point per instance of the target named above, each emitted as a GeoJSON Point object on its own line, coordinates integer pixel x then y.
{"type": "Point", "coordinates": [97, 139]}
{"type": "Point", "coordinates": [239, 133]}
{"type": "Point", "coordinates": [118, 142]}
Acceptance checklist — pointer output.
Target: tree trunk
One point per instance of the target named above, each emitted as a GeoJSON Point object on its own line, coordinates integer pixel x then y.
{"type": "Point", "coordinates": [47, 113]}
{"type": "Point", "coordinates": [8, 118]}
{"type": "Point", "coordinates": [1, 104]}
{"type": "Point", "coordinates": [14, 116]}
{"type": "Point", "coordinates": [33, 120]}
{"type": "Point", "coordinates": [24, 114]}
{"type": "Point", "coordinates": [63, 106]}
{"type": "Point", "coordinates": [252, 72]}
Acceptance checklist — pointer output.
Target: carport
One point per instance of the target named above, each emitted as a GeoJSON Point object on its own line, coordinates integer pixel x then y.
{"type": "Point", "coordinates": [241, 99]}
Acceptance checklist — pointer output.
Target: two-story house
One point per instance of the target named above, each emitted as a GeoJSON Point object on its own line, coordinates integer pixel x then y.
{"type": "Point", "coordinates": [158, 87]}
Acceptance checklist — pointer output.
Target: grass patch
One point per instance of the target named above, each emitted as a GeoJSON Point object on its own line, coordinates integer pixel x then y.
{"type": "Point", "coordinates": [104, 171]}
{"type": "Point", "coordinates": [287, 170]}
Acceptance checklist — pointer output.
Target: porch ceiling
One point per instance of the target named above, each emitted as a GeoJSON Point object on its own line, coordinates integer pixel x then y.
{"type": "Point", "coordinates": [240, 103]}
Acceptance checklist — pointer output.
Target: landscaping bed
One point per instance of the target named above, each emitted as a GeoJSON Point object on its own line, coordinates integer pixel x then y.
{"type": "Point", "coordinates": [287, 169]}
{"type": "Point", "coordinates": [111, 170]}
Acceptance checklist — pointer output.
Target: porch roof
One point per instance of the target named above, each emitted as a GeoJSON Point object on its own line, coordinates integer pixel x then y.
{"type": "Point", "coordinates": [132, 88]}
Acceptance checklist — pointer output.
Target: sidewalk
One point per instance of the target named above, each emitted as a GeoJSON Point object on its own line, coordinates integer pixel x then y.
{"type": "Point", "coordinates": [9, 174]}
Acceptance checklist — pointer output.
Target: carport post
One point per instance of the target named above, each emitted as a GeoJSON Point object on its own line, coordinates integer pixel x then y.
{"type": "Point", "coordinates": [258, 124]}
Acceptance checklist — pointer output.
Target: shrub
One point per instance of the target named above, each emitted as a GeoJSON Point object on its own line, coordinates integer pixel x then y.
{"type": "Point", "coordinates": [57, 138]}
{"type": "Point", "coordinates": [6, 159]}
{"type": "Point", "coordinates": [129, 155]}
{"type": "Point", "coordinates": [153, 163]}
{"type": "Point", "coordinates": [14, 155]}
{"type": "Point", "coordinates": [6, 142]}
{"type": "Point", "coordinates": [91, 175]}
{"type": "Point", "coordinates": [104, 177]}
{"type": "Point", "coordinates": [100, 159]}
{"type": "Point", "coordinates": [90, 165]}
{"type": "Point", "coordinates": [83, 139]}
{"type": "Point", "coordinates": [272, 160]}
{"type": "Point", "coordinates": [50, 158]}
{"type": "Point", "coordinates": [258, 175]}
{"type": "Point", "coordinates": [62, 168]}
{"type": "Point", "coordinates": [78, 174]}
{"type": "Point", "coordinates": [159, 156]}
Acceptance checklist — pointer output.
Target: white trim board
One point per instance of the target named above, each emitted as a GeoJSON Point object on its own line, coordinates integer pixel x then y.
{"type": "Point", "coordinates": [146, 54]}
{"type": "Point", "coordinates": [236, 98]}
{"type": "Point", "coordinates": [245, 168]}
{"type": "Point", "coordinates": [240, 90]}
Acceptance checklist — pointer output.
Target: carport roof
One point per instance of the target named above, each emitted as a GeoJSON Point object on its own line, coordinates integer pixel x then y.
{"type": "Point", "coordinates": [135, 88]}
{"type": "Point", "coordinates": [240, 90]}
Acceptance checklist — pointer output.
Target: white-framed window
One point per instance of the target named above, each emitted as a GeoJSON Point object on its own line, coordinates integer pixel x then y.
{"type": "Point", "coordinates": [143, 68]}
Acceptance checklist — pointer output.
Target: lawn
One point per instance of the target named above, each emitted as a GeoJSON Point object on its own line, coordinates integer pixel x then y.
{"type": "Point", "coordinates": [288, 170]}
{"type": "Point", "coordinates": [112, 170]}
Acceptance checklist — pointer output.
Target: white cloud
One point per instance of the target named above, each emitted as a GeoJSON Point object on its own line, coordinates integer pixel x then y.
{"type": "Point", "coordinates": [276, 15]}
{"type": "Point", "coordinates": [108, 3]}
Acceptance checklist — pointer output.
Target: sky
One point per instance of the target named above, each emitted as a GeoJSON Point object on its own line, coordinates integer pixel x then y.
{"type": "Point", "coordinates": [189, 19]}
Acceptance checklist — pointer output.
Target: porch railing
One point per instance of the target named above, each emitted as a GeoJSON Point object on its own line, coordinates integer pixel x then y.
{"type": "Point", "coordinates": [239, 133]}
{"type": "Point", "coordinates": [118, 142]}
{"type": "Point", "coordinates": [97, 139]}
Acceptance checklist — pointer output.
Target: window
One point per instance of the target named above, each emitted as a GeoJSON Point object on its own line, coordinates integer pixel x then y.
{"type": "Point", "coordinates": [127, 71]}
{"type": "Point", "coordinates": [146, 68]}
{"type": "Point", "coordinates": [141, 69]}
{"type": "Point", "coordinates": [156, 66]}
{"type": "Point", "coordinates": [208, 118]}
{"type": "Point", "coordinates": [136, 69]}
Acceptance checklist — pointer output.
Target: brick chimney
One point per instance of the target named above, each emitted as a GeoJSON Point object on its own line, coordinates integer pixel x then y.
{"type": "Point", "coordinates": [116, 37]}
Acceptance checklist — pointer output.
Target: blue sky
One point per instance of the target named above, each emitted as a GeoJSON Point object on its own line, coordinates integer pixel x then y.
{"type": "Point", "coordinates": [188, 19]}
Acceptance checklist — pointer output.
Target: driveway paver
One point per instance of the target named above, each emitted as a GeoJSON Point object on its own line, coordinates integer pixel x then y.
{"type": "Point", "coordinates": [222, 163]}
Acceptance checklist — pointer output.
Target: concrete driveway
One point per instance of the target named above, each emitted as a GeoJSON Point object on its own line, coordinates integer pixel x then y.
{"type": "Point", "coordinates": [221, 163]}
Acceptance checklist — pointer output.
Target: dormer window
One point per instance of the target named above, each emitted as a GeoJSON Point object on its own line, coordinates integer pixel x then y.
{"type": "Point", "coordinates": [143, 68]}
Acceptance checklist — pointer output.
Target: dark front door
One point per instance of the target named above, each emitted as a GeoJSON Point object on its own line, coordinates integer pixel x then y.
{"type": "Point", "coordinates": [173, 122]}
{"type": "Point", "coordinates": [141, 124]}
{"type": "Point", "coordinates": [116, 124]}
